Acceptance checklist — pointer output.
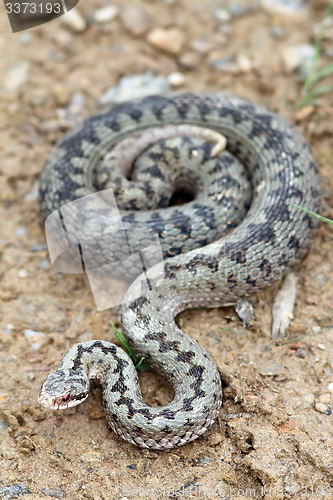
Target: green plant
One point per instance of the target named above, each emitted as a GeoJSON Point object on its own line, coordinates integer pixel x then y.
{"type": "Point", "coordinates": [138, 363]}
{"type": "Point", "coordinates": [315, 75]}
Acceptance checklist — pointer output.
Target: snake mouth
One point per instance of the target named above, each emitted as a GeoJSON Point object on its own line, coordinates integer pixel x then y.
{"type": "Point", "coordinates": [61, 402]}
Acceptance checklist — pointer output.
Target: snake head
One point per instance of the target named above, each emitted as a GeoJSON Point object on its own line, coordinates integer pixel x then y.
{"type": "Point", "coordinates": [63, 389]}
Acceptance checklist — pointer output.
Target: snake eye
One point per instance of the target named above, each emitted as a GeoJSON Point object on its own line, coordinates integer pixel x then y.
{"type": "Point", "coordinates": [66, 397]}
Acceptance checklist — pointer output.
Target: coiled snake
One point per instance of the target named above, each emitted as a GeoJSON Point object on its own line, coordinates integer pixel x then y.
{"type": "Point", "coordinates": [272, 237]}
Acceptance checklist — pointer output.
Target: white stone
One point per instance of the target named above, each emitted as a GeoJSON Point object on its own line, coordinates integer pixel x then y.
{"type": "Point", "coordinates": [169, 40]}
{"type": "Point", "coordinates": [321, 407]}
{"type": "Point", "coordinates": [105, 14]}
{"type": "Point", "coordinates": [25, 38]}
{"type": "Point", "coordinates": [325, 398]}
{"type": "Point", "coordinates": [74, 20]}
{"type": "Point", "coordinates": [244, 63]}
{"type": "Point", "coordinates": [36, 339]}
{"type": "Point", "coordinates": [135, 87]}
{"type": "Point", "coordinates": [176, 79]}
{"type": "Point", "coordinates": [284, 7]}
{"type": "Point", "coordinates": [297, 56]}
{"type": "Point", "coordinates": [17, 76]}
{"type": "Point", "coordinates": [135, 20]}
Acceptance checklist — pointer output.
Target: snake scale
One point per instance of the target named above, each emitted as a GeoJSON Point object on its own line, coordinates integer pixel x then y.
{"type": "Point", "coordinates": [271, 238]}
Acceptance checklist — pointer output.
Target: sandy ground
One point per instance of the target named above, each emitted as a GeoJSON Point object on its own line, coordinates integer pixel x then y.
{"type": "Point", "coordinates": [274, 437]}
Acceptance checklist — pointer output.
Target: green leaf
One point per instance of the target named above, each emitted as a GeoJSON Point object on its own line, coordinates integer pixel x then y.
{"type": "Point", "coordinates": [139, 364]}
{"type": "Point", "coordinates": [230, 330]}
{"type": "Point", "coordinates": [322, 90]}
{"type": "Point", "coordinates": [324, 72]}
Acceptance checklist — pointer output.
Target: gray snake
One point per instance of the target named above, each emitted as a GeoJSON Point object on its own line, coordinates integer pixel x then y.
{"type": "Point", "coordinates": [272, 237]}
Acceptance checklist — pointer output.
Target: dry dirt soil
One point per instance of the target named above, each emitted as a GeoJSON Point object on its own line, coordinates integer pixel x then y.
{"type": "Point", "coordinates": [274, 438]}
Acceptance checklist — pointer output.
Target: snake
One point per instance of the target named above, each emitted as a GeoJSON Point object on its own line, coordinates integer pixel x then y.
{"type": "Point", "coordinates": [272, 237]}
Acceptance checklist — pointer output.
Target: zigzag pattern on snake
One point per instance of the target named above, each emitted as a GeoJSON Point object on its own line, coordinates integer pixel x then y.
{"type": "Point", "coordinates": [272, 237]}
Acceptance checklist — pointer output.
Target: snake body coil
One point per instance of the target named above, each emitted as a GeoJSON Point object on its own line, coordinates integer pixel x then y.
{"type": "Point", "coordinates": [272, 237]}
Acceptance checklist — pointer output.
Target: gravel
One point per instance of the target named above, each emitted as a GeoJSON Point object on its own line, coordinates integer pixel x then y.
{"type": "Point", "coordinates": [135, 87]}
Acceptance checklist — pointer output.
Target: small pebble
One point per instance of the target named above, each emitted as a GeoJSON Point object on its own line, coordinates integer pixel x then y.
{"type": "Point", "coordinates": [62, 37]}
{"type": "Point", "coordinates": [135, 20]}
{"type": "Point", "coordinates": [303, 352]}
{"type": "Point", "coordinates": [276, 32]}
{"type": "Point", "coordinates": [34, 193]}
{"type": "Point", "coordinates": [74, 20]}
{"type": "Point", "coordinates": [36, 339]}
{"type": "Point", "coordinates": [135, 87]}
{"type": "Point", "coordinates": [244, 309]}
{"type": "Point", "coordinates": [25, 38]}
{"type": "Point", "coordinates": [53, 492]}
{"type": "Point", "coordinates": [284, 7]}
{"type": "Point", "coordinates": [325, 398]}
{"type": "Point", "coordinates": [39, 248]}
{"type": "Point", "coordinates": [30, 376]}
{"type": "Point", "coordinates": [308, 401]}
{"type": "Point", "coordinates": [60, 93]}
{"type": "Point", "coordinates": [190, 60]}
{"type": "Point", "coordinates": [91, 456]}
{"type": "Point", "coordinates": [330, 387]}
{"type": "Point", "coordinates": [322, 408]}
{"type": "Point", "coordinates": [23, 273]}
{"type": "Point", "coordinates": [222, 486]}
{"type": "Point", "coordinates": [227, 64]}
{"type": "Point", "coordinates": [43, 264]}
{"type": "Point", "coordinates": [321, 279]}
{"type": "Point", "coordinates": [316, 328]}
{"type": "Point", "coordinates": [202, 45]}
{"type": "Point", "coordinates": [36, 96]}
{"type": "Point", "coordinates": [17, 76]}
{"type": "Point", "coordinates": [21, 231]}
{"type": "Point", "coordinates": [77, 102]}
{"type": "Point", "coordinates": [221, 14]}
{"type": "Point", "coordinates": [270, 369]}
{"type": "Point", "coordinates": [3, 396]}
{"type": "Point", "coordinates": [176, 79]}
{"type": "Point", "coordinates": [169, 40]}
{"type": "Point", "coordinates": [244, 63]}
{"type": "Point", "coordinates": [105, 14]}
{"type": "Point", "coordinates": [215, 439]}
{"type": "Point", "coordinates": [304, 113]}
{"type": "Point", "coordinates": [243, 7]}
{"type": "Point", "coordinates": [50, 126]}
{"type": "Point", "coordinates": [202, 461]}
{"type": "Point", "coordinates": [321, 347]}
{"type": "Point", "coordinates": [14, 491]}
{"type": "Point", "coordinates": [73, 114]}
{"type": "Point", "coordinates": [86, 335]}
{"type": "Point", "coordinates": [224, 11]}
{"type": "Point", "coordinates": [298, 57]}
